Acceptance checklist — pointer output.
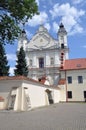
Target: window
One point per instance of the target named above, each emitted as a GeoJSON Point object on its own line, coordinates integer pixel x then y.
{"type": "Point", "coordinates": [62, 46]}
{"type": "Point", "coordinates": [30, 62]}
{"type": "Point", "coordinates": [69, 94]}
{"type": "Point", "coordinates": [52, 61]}
{"type": "Point", "coordinates": [80, 79]}
{"type": "Point", "coordinates": [69, 79]}
{"type": "Point", "coordinates": [84, 94]}
{"type": "Point", "coordinates": [41, 62]}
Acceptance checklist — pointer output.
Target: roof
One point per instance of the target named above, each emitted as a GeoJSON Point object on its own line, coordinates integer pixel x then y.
{"type": "Point", "coordinates": [16, 78]}
{"type": "Point", "coordinates": [1, 98]}
{"type": "Point", "coordinates": [75, 64]}
{"type": "Point", "coordinates": [25, 78]}
{"type": "Point", "coordinates": [61, 82]}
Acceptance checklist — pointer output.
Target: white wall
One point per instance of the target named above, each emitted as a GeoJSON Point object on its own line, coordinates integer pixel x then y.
{"type": "Point", "coordinates": [37, 94]}
{"type": "Point", "coordinates": [76, 88]}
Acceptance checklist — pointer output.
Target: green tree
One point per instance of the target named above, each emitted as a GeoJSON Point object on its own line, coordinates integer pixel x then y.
{"type": "Point", "coordinates": [21, 67]}
{"type": "Point", "coordinates": [12, 13]}
{"type": "Point", "coordinates": [4, 68]}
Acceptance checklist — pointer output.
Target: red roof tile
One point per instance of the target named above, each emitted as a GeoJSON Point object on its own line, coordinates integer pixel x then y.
{"type": "Point", "coordinates": [75, 64]}
{"type": "Point", "coordinates": [24, 78]}
{"type": "Point", "coordinates": [61, 82]}
{"type": "Point", "coordinates": [1, 98]}
{"type": "Point", "coordinates": [17, 78]}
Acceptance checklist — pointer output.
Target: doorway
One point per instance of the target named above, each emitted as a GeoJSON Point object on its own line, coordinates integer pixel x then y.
{"type": "Point", "coordinates": [12, 101]}
{"type": "Point", "coordinates": [50, 97]}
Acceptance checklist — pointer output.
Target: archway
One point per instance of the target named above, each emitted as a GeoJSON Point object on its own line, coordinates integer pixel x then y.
{"type": "Point", "coordinates": [50, 97]}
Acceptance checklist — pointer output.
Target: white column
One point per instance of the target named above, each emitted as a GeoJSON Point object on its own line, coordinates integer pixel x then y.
{"type": "Point", "coordinates": [47, 60]}
{"type": "Point", "coordinates": [57, 61]}
{"type": "Point", "coordinates": [34, 60]}
{"type": "Point", "coordinates": [18, 99]}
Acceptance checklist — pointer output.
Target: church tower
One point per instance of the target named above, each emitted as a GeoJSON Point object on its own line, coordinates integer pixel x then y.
{"type": "Point", "coordinates": [63, 45]}
{"type": "Point", "coordinates": [22, 41]}
{"type": "Point", "coordinates": [44, 54]}
{"type": "Point", "coordinates": [62, 36]}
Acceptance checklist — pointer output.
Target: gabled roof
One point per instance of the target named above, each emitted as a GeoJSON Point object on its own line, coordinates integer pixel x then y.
{"type": "Point", "coordinates": [75, 64]}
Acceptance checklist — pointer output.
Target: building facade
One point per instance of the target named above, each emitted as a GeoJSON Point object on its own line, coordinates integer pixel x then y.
{"type": "Point", "coordinates": [44, 54]}
{"type": "Point", "coordinates": [73, 76]}
{"type": "Point", "coordinates": [22, 94]}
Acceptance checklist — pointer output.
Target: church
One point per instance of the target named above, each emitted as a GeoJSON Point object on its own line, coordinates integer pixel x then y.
{"type": "Point", "coordinates": [52, 77]}
{"type": "Point", "coordinates": [44, 54]}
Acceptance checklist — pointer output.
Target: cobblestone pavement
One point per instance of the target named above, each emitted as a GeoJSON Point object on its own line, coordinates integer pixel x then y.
{"type": "Point", "coordinates": [62, 116]}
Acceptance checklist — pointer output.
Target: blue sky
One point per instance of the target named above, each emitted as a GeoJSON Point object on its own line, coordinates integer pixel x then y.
{"type": "Point", "coordinates": [72, 13]}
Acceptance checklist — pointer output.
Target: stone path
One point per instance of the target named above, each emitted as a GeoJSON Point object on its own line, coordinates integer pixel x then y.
{"type": "Point", "coordinates": [63, 116]}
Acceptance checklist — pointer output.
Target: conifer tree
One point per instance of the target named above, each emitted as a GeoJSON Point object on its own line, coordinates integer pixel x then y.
{"type": "Point", "coordinates": [4, 68]}
{"type": "Point", "coordinates": [21, 67]}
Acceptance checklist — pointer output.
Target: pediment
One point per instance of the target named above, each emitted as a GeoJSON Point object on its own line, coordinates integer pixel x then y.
{"type": "Point", "coordinates": [41, 40]}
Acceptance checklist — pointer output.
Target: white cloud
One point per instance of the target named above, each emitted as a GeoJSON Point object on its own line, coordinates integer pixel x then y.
{"type": "Point", "coordinates": [66, 10]}
{"type": "Point", "coordinates": [70, 16]}
{"type": "Point", "coordinates": [84, 46]}
{"type": "Point", "coordinates": [11, 71]}
{"type": "Point", "coordinates": [55, 27]}
{"type": "Point", "coordinates": [29, 35]}
{"type": "Point", "coordinates": [11, 57]}
{"type": "Point", "coordinates": [78, 1]}
{"type": "Point", "coordinates": [38, 19]}
{"type": "Point", "coordinates": [47, 25]}
{"type": "Point", "coordinates": [37, 1]}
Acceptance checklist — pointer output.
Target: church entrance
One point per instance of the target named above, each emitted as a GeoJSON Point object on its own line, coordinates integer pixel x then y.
{"type": "Point", "coordinates": [50, 97]}
{"type": "Point", "coordinates": [41, 62]}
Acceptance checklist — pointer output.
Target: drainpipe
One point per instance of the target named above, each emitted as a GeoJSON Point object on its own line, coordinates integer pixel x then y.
{"type": "Point", "coordinates": [66, 87]}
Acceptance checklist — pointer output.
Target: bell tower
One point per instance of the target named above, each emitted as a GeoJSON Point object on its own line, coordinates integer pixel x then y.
{"type": "Point", "coordinates": [22, 41]}
{"type": "Point", "coordinates": [62, 42]}
{"type": "Point", "coordinates": [62, 36]}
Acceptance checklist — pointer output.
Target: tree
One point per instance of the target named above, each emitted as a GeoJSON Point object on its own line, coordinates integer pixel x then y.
{"type": "Point", "coordinates": [21, 67]}
{"type": "Point", "coordinates": [4, 68]}
{"type": "Point", "coordinates": [12, 13]}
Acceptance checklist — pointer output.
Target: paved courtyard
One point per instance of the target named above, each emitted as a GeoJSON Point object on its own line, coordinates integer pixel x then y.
{"type": "Point", "coordinates": [63, 116]}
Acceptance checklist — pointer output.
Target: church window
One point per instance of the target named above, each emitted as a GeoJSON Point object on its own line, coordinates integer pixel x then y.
{"type": "Point", "coordinates": [69, 94]}
{"type": "Point", "coordinates": [30, 62]}
{"type": "Point", "coordinates": [80, 79]}
{"type": "Point", "coordinates": [69, 79]}
{"type": "Point", "coordinates": [52, 61]}
{"type": "Point", "coordinates": [41, 62]}
{"type": "Point", "coordinates": [62, 46]}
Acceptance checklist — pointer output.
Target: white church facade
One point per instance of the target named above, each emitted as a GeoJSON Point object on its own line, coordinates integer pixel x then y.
{"type": "Point", "coordinates": [44, 54]}
{"type": "Point", "coordinates": [52, 77]}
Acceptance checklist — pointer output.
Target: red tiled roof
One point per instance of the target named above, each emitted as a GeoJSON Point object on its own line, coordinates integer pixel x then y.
{"type": "Point", "coordinates": [61, 82]}
{"type": "Point", "coordinates": [24, 78]}
{"type": "Point", "coordinates": [1, 98]}
{"type": "Point", "coordinates": [17, 78]}
{"type": "Point", "coordinates": [75, 64]}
